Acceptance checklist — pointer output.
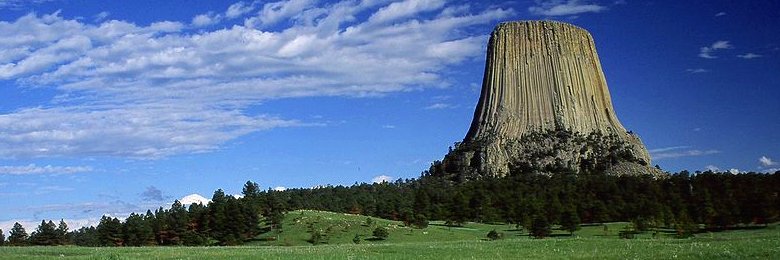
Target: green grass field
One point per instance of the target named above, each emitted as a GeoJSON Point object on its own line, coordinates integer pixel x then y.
{"type": "Point", "coordinates": [439, 242]}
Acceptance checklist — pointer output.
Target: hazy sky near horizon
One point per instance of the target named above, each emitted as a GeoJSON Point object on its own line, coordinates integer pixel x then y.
{"type": "Point", "coordinates": [112, 107]}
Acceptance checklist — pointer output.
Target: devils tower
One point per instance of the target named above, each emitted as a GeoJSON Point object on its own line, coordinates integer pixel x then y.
{"type": "Point", "coordinates": [540, 77]}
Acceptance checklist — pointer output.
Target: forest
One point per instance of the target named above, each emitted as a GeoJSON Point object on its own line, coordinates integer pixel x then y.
{"type": "Point", "coordinates": [687, 202]}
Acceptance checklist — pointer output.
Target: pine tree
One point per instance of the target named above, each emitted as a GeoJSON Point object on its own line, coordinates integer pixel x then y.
{"type": "Point", "coordinates": [570, 221]}
{"type": "Point", "coordinates": [62, 233]}
{"type": "Point", "coordinates": [2, 238]}
{"type": "Point", "coordinates": [45, 234]}
{"type": "Point", "coordinates": [18, 236]}
{"type": "Point", "coordinates": [137, 231]}
{"type": "Point", "coordinates": [540, 228]}
{"type": "Point", "coordinates": [109, 232]}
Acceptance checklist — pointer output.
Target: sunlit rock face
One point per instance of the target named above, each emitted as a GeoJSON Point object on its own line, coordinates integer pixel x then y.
{"type": "Point", "coordinates": [539, 76]}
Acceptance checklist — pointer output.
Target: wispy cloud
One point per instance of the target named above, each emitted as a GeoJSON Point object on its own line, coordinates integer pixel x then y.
{"type": "Point", "coordinates": [766, 161]}
{"type": "Point", "coordinates": [16, 4]}
{"type": "Point", "coordinates": [697, 70]}
{"type": "Point", "coordinates": [153, 91]}
{"type": "Point", "coordinates": [32, 169]}
{"type": "Point", "coordinates": [563, 8]}
{"type": "Point", "coordinates": [679, 151]}
{"type": "Point", "coordinates": [749, 55]}
{"type": "Point", "coordinates": [707, 51]}
{"type": "Point", "coordinates": [440, 106]}
{"type": "Point", "coordinates": [720, 14]}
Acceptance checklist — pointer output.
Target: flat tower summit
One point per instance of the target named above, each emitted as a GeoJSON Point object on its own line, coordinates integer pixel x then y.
{"type": "Point", "coordinates": [540, 76]}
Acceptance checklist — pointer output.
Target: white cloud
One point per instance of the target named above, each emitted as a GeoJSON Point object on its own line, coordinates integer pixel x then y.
{"type": "Point", "coordinates": [381, 179]}
{"type": "Point", "coordinates": [563, 8]}
{"type": "Point", "coordinates": [404, 9]}
{"type": "Point", "coordinates": [238, 9]}
{"type": "Point", "coordinates": [194, 199]}
{"type": "Point", "coordinates": [275, 12]}
{"type": "Point", "coordinates": [698, 70]}
{"type": "Point", "coordinates": [205, 20]}
{"type": "Point", "coordinates": [679, 151]}
{"type": "Point", "coordinates": [15, 4]}
{"type": "Point", "coordinates": [766, 161]}
{"type": "Point", "coordinates": [48, 169]}
{"type": "Point", "coordinates": [706, 51]}
{"type": "Point", "coordinates": [280, 188]}
{"type": "Point", "coordinates": [712, 168]}
{"type": "Point", "coordinates": [388, 126]}
{"type": "Point", "coordinates": [440, 106]}
{"type": "Point", "coordinates": [101, 16]}
{"type": "Point", "coordinates": [734, 171]}
{"type": "Point", "coordinates": [720, 14]}
{"type": "Point", "coordinates": [153, 91]}
{"type": "Point", "coordinates": [750, 55]}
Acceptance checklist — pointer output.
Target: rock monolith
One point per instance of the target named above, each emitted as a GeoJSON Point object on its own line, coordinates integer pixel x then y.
{"type": "Point", "coordinates": [539, 76]}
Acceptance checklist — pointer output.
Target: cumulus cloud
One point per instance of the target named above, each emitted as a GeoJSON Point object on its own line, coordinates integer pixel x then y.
{"type": "Point", "coordinates": [381, 179]}
{"type": "Point", "coordinates": [238, 9]}
{"type": "Point", "coordinates": [707, 51]}
{"type": "Point", "coordinates": [205, 20]}
{"type": "Point", "coordinates": [749, 56]}
{"type": "Point", "coordinates": [679, 151]}
{"type": "Point", "coordinates": [766, 161]}
{"type": "Point", "coordinates": [194, 199]}
{"type": "Point", "coordinates": [563, 8]}
{"type": "Point", "coordinates": [31, 169]}
{"type": "Point", "coordinates": [153, 91]}
{"type": "Point", "coordinates": [280, 188]}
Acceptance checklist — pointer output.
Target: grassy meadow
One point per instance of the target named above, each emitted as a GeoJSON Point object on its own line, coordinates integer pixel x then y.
{"type": "Point", "coordinates": [440, 242]}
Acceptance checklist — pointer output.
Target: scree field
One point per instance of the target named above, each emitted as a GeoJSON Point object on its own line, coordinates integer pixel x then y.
{"type": "Point", "coordinates": [437, 241]}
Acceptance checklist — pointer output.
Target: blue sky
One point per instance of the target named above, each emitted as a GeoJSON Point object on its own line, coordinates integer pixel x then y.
{"type": "Point", "coordinates": [110, 107]}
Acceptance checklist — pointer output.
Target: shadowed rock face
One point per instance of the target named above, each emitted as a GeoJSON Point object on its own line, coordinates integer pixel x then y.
{"type": "Point", "coordinates": [540, 76]}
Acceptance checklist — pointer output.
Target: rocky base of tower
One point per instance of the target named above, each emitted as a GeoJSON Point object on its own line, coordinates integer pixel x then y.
{"type": "Point", "coordinates": [546, 152]}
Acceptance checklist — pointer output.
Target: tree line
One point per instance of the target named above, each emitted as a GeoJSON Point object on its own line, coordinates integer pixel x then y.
{"type": "Point", "coordinates": [226, 220]}
{"type": "Point", "coordinates": [684, 201]}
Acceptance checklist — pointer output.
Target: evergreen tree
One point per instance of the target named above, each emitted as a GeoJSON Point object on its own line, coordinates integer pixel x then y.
{"type": "Point", "coordinates": [45, 234]}
{"type": "Point", "coordinates": [62, 233]}
{"type": "Point", "coordinates": [109, 232]}
{"type": "Point", "coordinates": [540, 228]}
{"type": "Point", "coordinates": [137, 231]}
{"type": "Point", "coordinates": [2, 238]}
{"type": "Point", "coordinates": [18, 236]}
{"type": "Point", "coordinates": [570, 221]}
{"type": "Point", "coordinates": [85, 236]}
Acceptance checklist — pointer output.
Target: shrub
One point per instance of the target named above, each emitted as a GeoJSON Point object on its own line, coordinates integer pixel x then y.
{"type": "Point", "coordinates": [494, 235]}
{"type": "Point", "coordinates": [381, 233]}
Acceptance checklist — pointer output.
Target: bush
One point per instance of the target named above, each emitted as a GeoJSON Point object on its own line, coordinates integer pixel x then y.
{"type": "Point", "coordinates": [318, 237]}
{"type": "Point", "coordinates": [495, 235]}
{"type": "Point", "coordinates": [356, 239]}
{"type": "Point", "coordinates": [381, 233]}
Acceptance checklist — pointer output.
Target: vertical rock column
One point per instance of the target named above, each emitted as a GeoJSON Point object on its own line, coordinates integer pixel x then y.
{"type": "Point", "coordinates": [542, 75]}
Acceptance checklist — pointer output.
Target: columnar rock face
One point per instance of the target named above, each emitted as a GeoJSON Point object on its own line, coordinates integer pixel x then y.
{"type": "Point", "coordinates": [541, 75]}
